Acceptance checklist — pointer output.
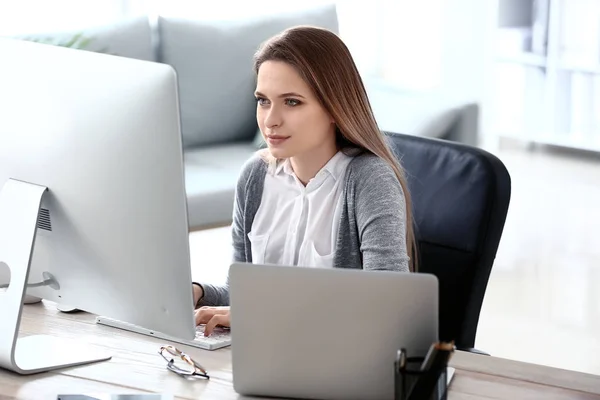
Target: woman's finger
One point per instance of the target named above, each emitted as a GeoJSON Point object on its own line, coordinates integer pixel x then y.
{"type": "Point", "coordinates": [219, 319]}
{"type": "Point", "coordinates": [204, 314]}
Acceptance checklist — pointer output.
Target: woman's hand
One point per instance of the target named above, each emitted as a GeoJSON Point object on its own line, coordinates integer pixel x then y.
{"type": "Point", "coordinates": [212, 317]}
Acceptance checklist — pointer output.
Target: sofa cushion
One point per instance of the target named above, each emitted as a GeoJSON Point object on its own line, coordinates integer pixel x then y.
{"type": "Point", "coordinates": [211, 175]}
{"type": "Point", "coordinates": [127, 38]}
{"type": "Point", "coordinates": [213, 60]}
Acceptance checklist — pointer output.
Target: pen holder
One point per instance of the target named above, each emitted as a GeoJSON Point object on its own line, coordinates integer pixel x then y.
{"type": "Point", "coordinates": [411, 383]}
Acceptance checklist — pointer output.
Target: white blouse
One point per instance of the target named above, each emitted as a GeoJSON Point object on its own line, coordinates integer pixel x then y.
{"type": "Point", "coordinates": [298, 225]}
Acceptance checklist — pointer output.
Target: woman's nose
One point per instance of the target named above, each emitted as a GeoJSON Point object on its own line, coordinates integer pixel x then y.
{"type": "Point", "coordinates": [272, 118]}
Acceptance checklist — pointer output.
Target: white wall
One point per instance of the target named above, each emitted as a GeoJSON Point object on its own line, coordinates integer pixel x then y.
{"type": "Point", "coordinates": [463, 48]}
{"type": "Point", "coordinates": [468, 37]}
{"type": "Point", "coordinates": [24, 17]}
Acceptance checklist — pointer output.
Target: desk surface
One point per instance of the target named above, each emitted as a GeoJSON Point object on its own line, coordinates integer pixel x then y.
{"type": "Point", "coordinates": [136, 367]}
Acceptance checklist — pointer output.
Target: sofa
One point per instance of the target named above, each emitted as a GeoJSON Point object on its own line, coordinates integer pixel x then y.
{"type": "Point", "coordinates": [213, 61]}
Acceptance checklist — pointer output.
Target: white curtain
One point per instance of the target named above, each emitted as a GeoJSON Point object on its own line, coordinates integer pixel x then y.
{"type": "Point", "coordinates": [396, 41]}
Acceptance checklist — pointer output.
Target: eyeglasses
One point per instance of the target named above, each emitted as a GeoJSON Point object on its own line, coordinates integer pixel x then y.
{"type": "Point", "coordinates": [181, 363]}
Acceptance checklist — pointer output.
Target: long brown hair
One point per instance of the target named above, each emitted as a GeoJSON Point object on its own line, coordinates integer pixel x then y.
{"type": "Point", "coordinates": [326, 65]}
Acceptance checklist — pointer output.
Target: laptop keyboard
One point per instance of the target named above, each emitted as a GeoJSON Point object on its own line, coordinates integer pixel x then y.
{"type": "Point", "coordinates": [220, 337]}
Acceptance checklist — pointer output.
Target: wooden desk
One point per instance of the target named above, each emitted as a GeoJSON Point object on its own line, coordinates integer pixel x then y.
{"type": "Point", "coordinates": [136, 367]}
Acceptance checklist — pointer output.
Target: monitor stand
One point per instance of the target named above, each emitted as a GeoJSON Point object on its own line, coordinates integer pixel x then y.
{"type": "Point", "coordinates": [19, 208]}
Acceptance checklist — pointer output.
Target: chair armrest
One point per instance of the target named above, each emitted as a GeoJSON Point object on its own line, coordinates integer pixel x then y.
{"type": "Point", "coordinates": [472, 350]}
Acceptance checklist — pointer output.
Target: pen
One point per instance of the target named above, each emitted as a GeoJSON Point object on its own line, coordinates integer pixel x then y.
{"type": "Point", "coordinates": [401, 360]}
{"type": "Point", "coordinates": [435, 363]}
{"type": "Point", "coordinates": [428, 361]}
{"type": "Point", "coordinates": [432, 353]}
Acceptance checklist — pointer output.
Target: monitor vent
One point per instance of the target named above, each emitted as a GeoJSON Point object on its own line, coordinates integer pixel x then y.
{"type": "Point", "coordinates": [44, 220]}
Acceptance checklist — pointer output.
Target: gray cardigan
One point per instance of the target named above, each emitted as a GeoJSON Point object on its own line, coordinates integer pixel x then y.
{"type": "Point", "coordinates": [372, 224]}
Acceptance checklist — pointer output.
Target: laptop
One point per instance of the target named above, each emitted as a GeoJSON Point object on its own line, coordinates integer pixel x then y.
{"type": "Point", "coordinates": [302, 332]}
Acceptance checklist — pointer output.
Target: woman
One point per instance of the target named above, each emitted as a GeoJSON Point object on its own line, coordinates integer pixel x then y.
{"type": "Point", "coordinates": [327, 192]}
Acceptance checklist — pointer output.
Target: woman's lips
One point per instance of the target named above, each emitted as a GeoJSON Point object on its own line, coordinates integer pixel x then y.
{"type": "Point", "coordinates": [276, 139]}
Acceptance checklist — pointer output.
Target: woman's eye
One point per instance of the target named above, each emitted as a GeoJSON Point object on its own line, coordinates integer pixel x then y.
{"type": "Point", "coordinates": [292, 102]}
{"type": "Point", "coordinates": [261, 101]}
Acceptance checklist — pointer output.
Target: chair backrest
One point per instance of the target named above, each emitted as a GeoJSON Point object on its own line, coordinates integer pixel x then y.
{"type": "Point", "coordinates": [460, 198]}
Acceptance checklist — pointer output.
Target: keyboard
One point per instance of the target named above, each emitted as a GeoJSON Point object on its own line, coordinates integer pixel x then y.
{"type": "Point", "coordinates": [219, 338]}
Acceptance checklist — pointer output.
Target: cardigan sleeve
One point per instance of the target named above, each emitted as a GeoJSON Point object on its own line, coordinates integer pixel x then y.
{"type": "Point", "coordinates": [381, 217]}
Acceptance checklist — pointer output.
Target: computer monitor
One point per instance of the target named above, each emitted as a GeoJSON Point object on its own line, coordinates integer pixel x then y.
{"type": "Point", "coordinates": [93, 199]}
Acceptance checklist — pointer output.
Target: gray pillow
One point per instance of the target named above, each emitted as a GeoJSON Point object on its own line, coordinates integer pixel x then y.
{"type": "Point", "coordinates": [213, 60]}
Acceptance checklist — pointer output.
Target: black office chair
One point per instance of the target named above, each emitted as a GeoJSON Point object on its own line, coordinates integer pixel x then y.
{"type": "Point", "coordinates": [460, 200]}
